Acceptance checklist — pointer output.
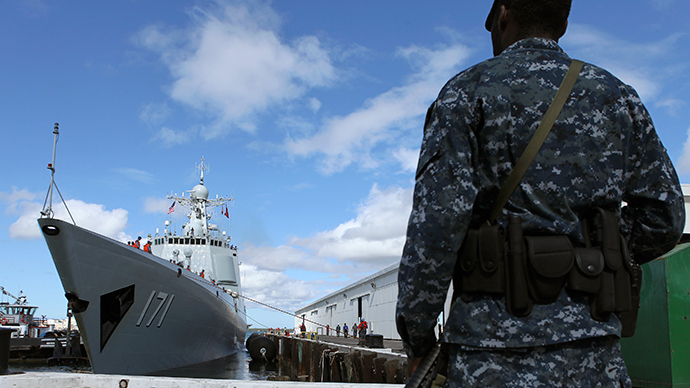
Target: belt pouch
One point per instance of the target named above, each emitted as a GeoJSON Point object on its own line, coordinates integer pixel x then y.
{"type": "Point", "coordinates": [604, 302]}
{"type": "Point", "coordinates": [550, 259]}
{"type": "Point", "coordinates": [584, 277]}
{"type": "Point", "coordinates": [518, 302]}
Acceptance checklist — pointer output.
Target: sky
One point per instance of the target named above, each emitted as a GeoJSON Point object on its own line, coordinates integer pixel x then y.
{"type": "Point", "coordinates": [308, 113]}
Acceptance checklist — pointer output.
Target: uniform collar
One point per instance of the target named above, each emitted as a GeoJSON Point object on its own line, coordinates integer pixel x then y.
{"type": "Point", "coordinates": [534, 44]}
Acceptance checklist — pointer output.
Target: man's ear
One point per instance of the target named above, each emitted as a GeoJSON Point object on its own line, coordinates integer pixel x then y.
{"type": "Point", "coordinates": [503, 18]}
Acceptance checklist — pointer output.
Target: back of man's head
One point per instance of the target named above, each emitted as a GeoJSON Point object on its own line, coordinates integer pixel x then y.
{"type": "Point", "coordinates": [535, 17]}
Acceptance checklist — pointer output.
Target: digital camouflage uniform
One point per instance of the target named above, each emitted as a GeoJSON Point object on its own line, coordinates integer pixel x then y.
{"type": "Point", "coordinates": [602, 150]}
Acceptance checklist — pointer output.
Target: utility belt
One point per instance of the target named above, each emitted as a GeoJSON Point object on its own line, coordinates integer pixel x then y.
{"type": "Point", "coordinates": [530, 270]}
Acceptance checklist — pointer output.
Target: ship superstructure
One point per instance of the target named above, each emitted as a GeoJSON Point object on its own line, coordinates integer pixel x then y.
{"type": "Point", "coordinates": [201, 247]}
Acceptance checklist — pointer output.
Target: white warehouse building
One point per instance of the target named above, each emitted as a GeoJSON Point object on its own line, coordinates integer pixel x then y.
{"type": "Point", "coordinates": [374, 298]}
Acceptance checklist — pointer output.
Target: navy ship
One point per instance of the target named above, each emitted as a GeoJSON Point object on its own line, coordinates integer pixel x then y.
{"type": "Point", "coordinates": [144, 312]}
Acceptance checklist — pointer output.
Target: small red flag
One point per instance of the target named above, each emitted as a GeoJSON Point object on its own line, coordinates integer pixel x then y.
{"type": "Point", "coordinates": [226, 212]}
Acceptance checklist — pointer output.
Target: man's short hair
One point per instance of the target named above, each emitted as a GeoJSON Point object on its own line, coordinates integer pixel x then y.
{"type": "Point", "coordinates": [535, 15]}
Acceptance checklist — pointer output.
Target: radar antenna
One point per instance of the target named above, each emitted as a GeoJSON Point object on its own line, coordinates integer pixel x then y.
{"type": "Point", "coordinates": [47, 211]}
{"type": "Point", "coordinates": [202, 167]}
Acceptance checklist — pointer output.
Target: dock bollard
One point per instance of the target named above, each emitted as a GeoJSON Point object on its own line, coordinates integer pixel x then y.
{"type": "Point", "coordinates": [5, 334]}
{"type": "Point", "coordinates": [374, 340]}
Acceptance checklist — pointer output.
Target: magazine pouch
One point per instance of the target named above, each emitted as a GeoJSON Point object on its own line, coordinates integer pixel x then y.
{"type": "Point", "coordinates": [481, 261]}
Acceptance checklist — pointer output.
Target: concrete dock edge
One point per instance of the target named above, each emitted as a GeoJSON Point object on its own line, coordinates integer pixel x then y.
{"type": "Point", "coordinates": [60, 380]}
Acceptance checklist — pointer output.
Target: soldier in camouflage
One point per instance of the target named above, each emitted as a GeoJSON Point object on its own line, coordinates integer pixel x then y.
{"type": "Point", "coordinates": [602, 151]}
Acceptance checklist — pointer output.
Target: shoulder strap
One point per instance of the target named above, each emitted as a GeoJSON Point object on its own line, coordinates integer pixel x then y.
{"type": "Point", "coordinates": [537, 139]}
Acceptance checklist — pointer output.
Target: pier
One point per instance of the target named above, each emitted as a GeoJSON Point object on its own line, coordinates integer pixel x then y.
{"type": "Point", "coordinates": [323, 361]}
{"type": "Point", "coordinates": [340, 359]}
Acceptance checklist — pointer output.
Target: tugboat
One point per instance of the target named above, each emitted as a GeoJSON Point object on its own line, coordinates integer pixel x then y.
{"type": "Point", "coordinates": [31, 336]}
{"type": "Point", "coordinates": [20, 316]}
{"type": "Point", "coordinates": [145, 312]}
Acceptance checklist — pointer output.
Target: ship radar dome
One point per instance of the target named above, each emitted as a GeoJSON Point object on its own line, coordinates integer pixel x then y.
{"type": "Point", "coordinates": [200, 191]}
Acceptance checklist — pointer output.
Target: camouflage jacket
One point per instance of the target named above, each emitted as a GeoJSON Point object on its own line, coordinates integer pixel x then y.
{"type": "Point", "coordinates": [602, 150]}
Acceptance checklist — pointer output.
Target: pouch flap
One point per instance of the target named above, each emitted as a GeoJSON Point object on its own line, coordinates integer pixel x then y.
{"type": "Point", "coordinates": [550, 256]}
{"type": "Point", "coordinates": [590, 261]}
{"type": "Point", "coordinates": [491, 242]}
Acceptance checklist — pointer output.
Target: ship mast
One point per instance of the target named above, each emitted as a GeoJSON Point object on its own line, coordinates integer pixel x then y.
{"type": "Point", "coordinates": [47, 211]}
{"type": "Point", "coordinates": [199, 203]}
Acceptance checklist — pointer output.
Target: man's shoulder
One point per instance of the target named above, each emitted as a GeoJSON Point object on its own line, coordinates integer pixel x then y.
{"type": "Point", "coordinates": [491, 68]}
{"type": "Point", "coordinates": [499, 75]}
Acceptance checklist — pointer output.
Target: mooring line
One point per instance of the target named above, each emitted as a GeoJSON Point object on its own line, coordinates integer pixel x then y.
{"type": "Point", "coordinates": [233, 293]}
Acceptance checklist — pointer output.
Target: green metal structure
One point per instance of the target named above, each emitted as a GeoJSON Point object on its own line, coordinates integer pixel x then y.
{"type": "Point", "coordinates": [659, 353]}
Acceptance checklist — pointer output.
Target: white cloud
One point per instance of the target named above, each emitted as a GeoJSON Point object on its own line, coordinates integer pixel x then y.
{"type": "Point", "coordinates": [344, 140]}
{"type": "Point", "coordinates": [233, 63]}
{"type": "Point", "coordinates": [95, 217]}
{"type": "Point", "coordinates": [134, 174]}
{"type": "Point", "coordinates": [15, 198]}
{"type": "Point", "coordinates": [683, 163]}
{"type": "Point", "coordinates": [170, 137]}
{"type": "Point", "coordinates": [407, 158]}
{"type": "Point", "coordinates": [277, 289]}
{"type": "Point", "coordinates": [275, 258]}
{"type": "Point", "coordinates": [375, 237]}
{"type": "Point", "coordinates": [662, 4]}
{"type": "Point", "coordinates": [34, 8]}
{"type": "Point", "coordinates": [672, 104]}
{"type": "Point", "coordinates": [157, 205]}
{"type": "Point", "coordinates": [154, 114]}
{"type": "Point", "coordinates": [314, 104]}
{"type": "Point", "coordinates": [300, 186]}
{"type": "Point", "coordinates": [636, 64]}
{"type": "Point", "coordinates": [362, 245]}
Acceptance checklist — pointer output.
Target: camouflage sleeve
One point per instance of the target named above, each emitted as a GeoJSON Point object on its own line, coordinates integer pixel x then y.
{"type": "Point", "coordinates": [655, 213]}
{"type": "Point", "coordinates": [443, 198]}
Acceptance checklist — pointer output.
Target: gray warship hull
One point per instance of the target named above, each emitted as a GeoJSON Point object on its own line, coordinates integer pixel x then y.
{"type": "Point", "coordinates": [137, 313]}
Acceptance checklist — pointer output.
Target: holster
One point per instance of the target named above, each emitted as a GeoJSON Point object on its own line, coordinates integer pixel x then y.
{"type": "Point", "coordinates": [615, 295]}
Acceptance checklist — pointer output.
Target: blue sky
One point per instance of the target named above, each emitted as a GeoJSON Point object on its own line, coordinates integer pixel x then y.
{"type": "Point", "coordinates": [309, 113]}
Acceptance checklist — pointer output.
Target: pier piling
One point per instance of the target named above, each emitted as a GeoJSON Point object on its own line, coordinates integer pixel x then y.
{"type": "Point", "coordinates": [325, 361]}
